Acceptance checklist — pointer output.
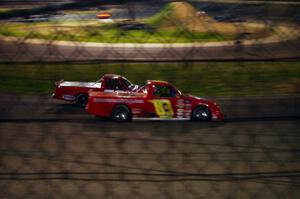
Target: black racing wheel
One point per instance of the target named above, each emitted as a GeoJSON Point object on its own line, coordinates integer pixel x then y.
{"type": "Point", "coordinates": [201, 113]}
{"type": "Point", "coordinates": [81, 99]}
{"type": "Point", "coordinates": [121, 113]}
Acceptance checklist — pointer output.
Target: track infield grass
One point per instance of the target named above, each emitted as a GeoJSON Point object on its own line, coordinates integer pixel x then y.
{"type": "Point", "coordinates": [202, 79]}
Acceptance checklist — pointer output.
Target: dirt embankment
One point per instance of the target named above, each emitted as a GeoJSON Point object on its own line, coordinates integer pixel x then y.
{"type": "Point", "coordinates": [183, 15]}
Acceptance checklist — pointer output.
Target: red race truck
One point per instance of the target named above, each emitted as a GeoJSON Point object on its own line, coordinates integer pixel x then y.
{"type": "Point", "coordinates": [156, 99]}
{"type": "Point", "coordinates": [78, 91]}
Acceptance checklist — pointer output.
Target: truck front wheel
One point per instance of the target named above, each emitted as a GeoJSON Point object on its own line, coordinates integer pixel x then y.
{"type": "Point", "coordinates": [121, 113]}
{"type": "Point", "coordinates": [201, 113]}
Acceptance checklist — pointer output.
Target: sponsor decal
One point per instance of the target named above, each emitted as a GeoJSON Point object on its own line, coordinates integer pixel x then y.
{"type": "Point", "coordinates": [180, 103]}
{"type": "Point", "coordinates": [180, 110]}
{"type": "Point", "coordinates": [108, 91]}
{"type": "Point", "coordinates": [163, 108]}
{"type": "Point", "coordinates": [117, 91]}
{"type": "Point", "coordinates": [136, 111]}
{"type": "Point", "coordinates": [187, 101]}
{"type": "Point", "coordinates": [125, 101]}
{"type": "Point", "coordinates": [69, 97]}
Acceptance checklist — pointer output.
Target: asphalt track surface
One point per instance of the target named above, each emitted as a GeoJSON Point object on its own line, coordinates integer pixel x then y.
{"type": "Point", "coordinates": [53, 149]}
{"type": "Point", "coordinates": [19, 50]}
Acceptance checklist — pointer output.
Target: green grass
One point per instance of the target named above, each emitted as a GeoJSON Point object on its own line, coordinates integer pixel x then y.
{"type": "Point", "coordinates": [202, 79]}
{"type": "Point", "coordinates": [157, 19]}
{"type": "Point", "coordinates": [105, 33]}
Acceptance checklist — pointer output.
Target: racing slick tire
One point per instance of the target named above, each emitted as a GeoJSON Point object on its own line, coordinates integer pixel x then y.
{"type": "Point", "coordinates": [121, 113]}
{"type": "Point", "coordinates": [81, 99]}
{"type": "Point", "coordinates": [201, 113]}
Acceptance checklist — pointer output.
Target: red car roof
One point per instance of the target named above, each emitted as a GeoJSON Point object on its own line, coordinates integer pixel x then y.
{"type": "Point", "coordinates": [158, 82]}
{"type": "Point", "coordinates": [112, 75]}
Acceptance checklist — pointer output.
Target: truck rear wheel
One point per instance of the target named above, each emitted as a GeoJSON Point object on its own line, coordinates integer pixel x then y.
{"type": "Point", "coordinates": [121, 113]}
{"type": "Point", "coordinates": [82, 99]}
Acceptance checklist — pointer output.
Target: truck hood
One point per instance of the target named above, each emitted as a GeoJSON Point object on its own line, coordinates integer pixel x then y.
{"type": "Point", "coordinates": [81, 84]}
{"type": "Point", "coordinates": [200, 99]}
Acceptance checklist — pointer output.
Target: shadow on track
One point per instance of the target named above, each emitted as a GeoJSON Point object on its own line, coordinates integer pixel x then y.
{"type": "Point", "coordinates": [103, 120]}
{"type": "Point", "coordinates": [65, 109]}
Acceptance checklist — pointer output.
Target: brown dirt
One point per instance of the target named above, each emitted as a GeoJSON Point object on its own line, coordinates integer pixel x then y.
{"type": "Point", "coordinates": [186, 15]}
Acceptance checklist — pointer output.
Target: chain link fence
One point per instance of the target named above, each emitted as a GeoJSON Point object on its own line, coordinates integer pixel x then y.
{"type": "Point", "coordinates": [151, 31]}
{"type": "Point", "coordinates": [242, 54]}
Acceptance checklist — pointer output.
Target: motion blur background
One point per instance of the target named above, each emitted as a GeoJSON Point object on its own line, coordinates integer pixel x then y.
{"type": "Point", "coordinates": [242, 54]}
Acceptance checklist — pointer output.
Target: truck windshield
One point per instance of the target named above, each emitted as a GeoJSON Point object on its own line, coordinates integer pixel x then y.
{"type": "Point", "coordinates": [164, 91]}
{"type": "Point", "coordinates": [142, 89]}
{"type": "Point", "coordinates": [126, 82]}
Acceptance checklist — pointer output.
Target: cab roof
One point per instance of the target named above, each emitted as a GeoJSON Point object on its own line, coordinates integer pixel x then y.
{"type": "Point", "coordinates": [112, 76]}
{"type": "Point", "coordinates": [157, 82]}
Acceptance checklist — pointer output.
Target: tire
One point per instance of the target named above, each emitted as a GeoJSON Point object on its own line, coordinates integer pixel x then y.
{"type": "Point", "coordinates": [201, 113]}
{"type": "Point", "coordinates": [121, 113]}
{"type": "Point", "coordinates": [82, 99]}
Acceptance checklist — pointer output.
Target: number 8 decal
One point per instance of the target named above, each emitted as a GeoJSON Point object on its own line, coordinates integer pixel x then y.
{"type": "Point", "coordinates": [163, 108]}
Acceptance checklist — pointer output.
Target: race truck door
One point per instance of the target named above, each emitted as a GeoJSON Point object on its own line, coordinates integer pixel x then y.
{"type": "Point", "coordinates": [165, 101]}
